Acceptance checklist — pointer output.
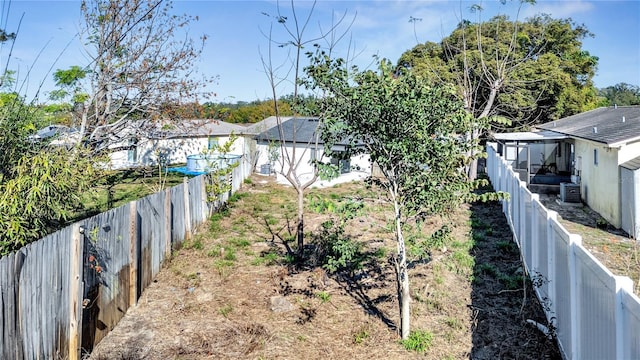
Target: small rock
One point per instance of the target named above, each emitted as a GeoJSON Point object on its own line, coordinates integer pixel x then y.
{"type": "Point", "coordinates": [280, 304]}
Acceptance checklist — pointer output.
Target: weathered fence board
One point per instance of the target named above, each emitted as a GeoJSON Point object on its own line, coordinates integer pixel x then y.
{"type": "Point", "coordinates": [34, 283]}
{"type": "Point", "coordinates": [65, 292]}
{"type": "Point", "coordinates": [106, 273]}
{"type": "Point", "coordinates": [178, 214]}
{"type": "Point", "coordinates": [151, 212]}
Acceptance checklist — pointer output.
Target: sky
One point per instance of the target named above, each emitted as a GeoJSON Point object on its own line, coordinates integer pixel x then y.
{"type": "Point", "coordinates": [47, 36]}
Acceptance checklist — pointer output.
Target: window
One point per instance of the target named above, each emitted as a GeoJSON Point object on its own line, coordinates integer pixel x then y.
{"type": "Point", "coordinates": [213, 143]}
{"type": "Point", "coordinates": [595, 156]}
{"type": "Point", "coordinates": [132, 152]}
{"type": "Point", "coordinates": [344, 166]}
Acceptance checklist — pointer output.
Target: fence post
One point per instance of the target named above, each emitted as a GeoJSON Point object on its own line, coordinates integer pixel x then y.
{"type": "Point", "coordinates": [621, 282]}
{"type": "Point", "coordinates": [523, 212]}
{"type": "Point", "coordinates": [552, 217]}
{"type": "Point", "coordinates": [187, 213]}
{"type": "Point", "coordinates": [75, 292]}
{"type": "Point", "coordinates": [133, 254]}
{"type": "Point", "coordinates": [535, 233]}
{"type": "Point", "coordinates": [205, 208]}
{"type": "Point", "coordinates": [574, 241]}
{"type": "Point", "coordinates": [167, 223]}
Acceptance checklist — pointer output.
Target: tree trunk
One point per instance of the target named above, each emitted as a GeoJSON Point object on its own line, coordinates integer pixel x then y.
{"type": "Point", "coordinates": [300, 227]}
{"type": "Point", "coordinates": [404, 297]}
{"type": "Point", "coordinates": [473, 166]}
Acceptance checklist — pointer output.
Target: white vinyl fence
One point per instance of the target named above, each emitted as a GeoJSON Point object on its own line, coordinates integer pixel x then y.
{"type": "Point", "coordinates": [595, 313]}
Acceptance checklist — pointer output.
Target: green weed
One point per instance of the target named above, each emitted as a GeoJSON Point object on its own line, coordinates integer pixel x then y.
{"type": "Point", "coordinates": [418, 341]}
{"type": "Point", "coordinates": [453, 323]}
{"type": "Point", "coordinates": [489, 269]}
{"type": "Point", "coordinates": [268, 259]}
{"type": "Point", "coordinates": [360, 336]}
{"type": "Point", "coordinates": [324, 296]}
{"type": "Point", "coordinates": [225, 310]}
{"type": "Point", "coordinates": [240, 243]}
{"type": "Point", "coordinates": [506, 246]}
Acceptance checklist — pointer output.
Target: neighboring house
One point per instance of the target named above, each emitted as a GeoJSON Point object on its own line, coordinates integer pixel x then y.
{"type": "Point", "coordinates": [597, 151]}
{"type": "Point", "coordinates": [171, 143]}
{"type": "Point", "coordinates": [300, 138]}
{"type": "Point", "coordinates": [59, 135]}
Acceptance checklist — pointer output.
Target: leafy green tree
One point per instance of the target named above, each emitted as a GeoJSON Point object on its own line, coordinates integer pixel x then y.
{"type": "Point", "coordinates": [257, 111]}
{"type": "Point", "coordinates": [413, 130]}
{"type": "Point", "coordinates": [528, 72]}
{"type": "Point", "coordinates": [40, 184]}
{"type": "Point", "coordinates": [512, 72]}
{"type": "Point", "coordinates": [620, 94]}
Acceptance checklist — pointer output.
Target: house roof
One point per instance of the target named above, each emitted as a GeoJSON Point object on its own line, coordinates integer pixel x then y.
{"type": "Point", "coordinates": [633, 164]}
{"type": "Point", "coordinates": [264, 125]}
{"type": "Point", "coordinates": [301, 130]}
{"type": "Point", "coordinates": [196, 128]}
{"type": "Point", "coordinates": [614, 126]}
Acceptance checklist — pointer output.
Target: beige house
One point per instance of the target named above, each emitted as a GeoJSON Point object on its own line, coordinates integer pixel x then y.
{"type": "Point", "coordinates": [607, 161]}
{"type": "Point", "coordinates": [594, 156]}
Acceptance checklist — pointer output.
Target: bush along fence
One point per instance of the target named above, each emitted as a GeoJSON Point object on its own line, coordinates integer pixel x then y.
{"type": "Point", "coordinates": [62, 294]}
{"type": "Point", "coordinates": [593, 313]}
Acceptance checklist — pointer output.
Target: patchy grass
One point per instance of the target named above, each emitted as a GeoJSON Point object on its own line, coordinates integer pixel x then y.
{"type": "Point", "coordinates": [217, 299]}
{"type": "Point", "coordinates": [122, 186]}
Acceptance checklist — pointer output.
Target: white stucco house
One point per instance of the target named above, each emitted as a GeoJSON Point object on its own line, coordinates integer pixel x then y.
{"type": "Point", "coordinates": [173, 142]}
{"type": "Point", "coordinates": [301, 142]}
{"type": "Point", "coordinates": [597, 153]}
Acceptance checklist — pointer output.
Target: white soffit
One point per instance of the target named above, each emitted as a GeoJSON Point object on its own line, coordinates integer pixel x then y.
{"type": "Point", "coordinates": [530, 136]}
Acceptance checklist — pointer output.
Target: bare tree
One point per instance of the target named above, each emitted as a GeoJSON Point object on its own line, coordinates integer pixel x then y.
{"type": "Point", "coordinates": [291, 72]}
{"type": "Point", "coordinates": [480, 72]}
{"type": "Point", "coordinates": [141, 66]}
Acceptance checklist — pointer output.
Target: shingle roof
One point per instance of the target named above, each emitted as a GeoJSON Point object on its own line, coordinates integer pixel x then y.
{"type": "Point", "coordinates": [300, 130]}
{"type": "Point", "coordinates": [199, 127]}
{"type": "Point", "coordinates": [633, 164]}
{"type": "Point", "coordinates": [265, 125]}
{"type": "Point", "coordinates": [613, 126]}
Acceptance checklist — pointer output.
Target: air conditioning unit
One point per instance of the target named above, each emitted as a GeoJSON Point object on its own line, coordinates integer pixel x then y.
{"type": "Point", "coordinates": [570, 193]}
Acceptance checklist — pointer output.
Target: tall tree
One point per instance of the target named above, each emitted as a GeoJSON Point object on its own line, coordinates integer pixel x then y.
{"type": "Point", "coordinates": [526, 72]}
{"type": "Point", "coordinates": [412, 130]}
{"type": "Point", "coordinates": [620, 94]}
{"type": "Point", "coordinates": [40, 184]}
{"type": "Point", "coordinates": [141, 63]}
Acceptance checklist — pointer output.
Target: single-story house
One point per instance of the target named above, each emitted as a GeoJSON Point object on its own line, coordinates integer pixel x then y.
{"type": "Point", "coordinates": [597, 152]}
{"type": "Point", "coordinates": [58, 135]}
{"type": "Point", "coordinates": [302, 143]}
{"type": "Point", "coordinates": [171, 143]}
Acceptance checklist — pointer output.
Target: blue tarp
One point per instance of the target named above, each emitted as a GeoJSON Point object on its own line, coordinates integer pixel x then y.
{"type": "Point", "coordinates": [183, 170]}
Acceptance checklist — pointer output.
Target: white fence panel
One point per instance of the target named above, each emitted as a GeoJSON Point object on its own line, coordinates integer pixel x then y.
{"type": "Point", "coordinates": [561, 285]}
{"type": "Point", "coordinates": [596, 304]}
{"type": "Point", "coordinates": [596, 314]}
{"type": "Point", "coordinates": [630, 325]}
{"type": "Point", "coordinates": [540, 258]}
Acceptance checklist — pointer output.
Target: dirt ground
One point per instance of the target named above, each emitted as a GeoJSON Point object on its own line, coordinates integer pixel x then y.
{"type": "Point", "coordinates": [232, 292]}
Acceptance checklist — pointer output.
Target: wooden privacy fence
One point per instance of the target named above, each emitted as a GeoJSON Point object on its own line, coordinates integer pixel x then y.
{"type": "Point", "coordinates": [62, 294]}
{"type": "Point", "coordinates": [595, 314]}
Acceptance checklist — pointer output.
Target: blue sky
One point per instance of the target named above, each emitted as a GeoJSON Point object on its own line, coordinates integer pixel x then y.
{"type": "Point", "coordinates": [46, 38]}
